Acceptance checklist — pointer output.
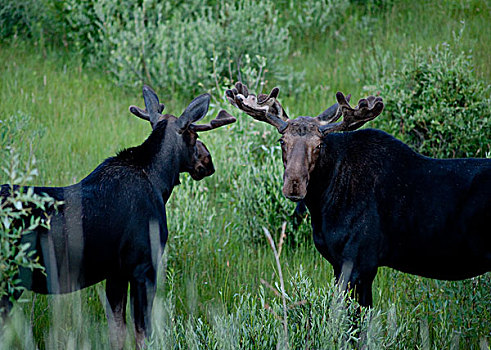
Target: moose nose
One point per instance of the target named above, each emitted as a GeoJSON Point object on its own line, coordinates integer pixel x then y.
{"type": "Point", "coordinates": [210, 170]}
{"type": "Point", "coordinates": [294, 189]}
{"type": "Point", "coordinates": [204, 171]}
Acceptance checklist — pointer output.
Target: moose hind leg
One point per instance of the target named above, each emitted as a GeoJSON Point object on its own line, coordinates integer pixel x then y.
{"type": "Point", "coordinates": [5, 307]}
{"type": "Point", "coordinates": [142, 291]}
{"type": "Point", "coordinates": [117, 295]}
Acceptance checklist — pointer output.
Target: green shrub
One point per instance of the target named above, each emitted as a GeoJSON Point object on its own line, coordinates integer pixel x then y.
{"type": "Point", "coordinates": [16, 222]}
{"type": "Point", "coordinates": [182, 47]}
{"type": "Point", "coordinates": [251, 184]}
{"type": "Point", "coordinates": [37, 19]}
{"type": "Point", "coordinates": [16, 219]}
{"type": "Point", "coordinates": [435, 103]}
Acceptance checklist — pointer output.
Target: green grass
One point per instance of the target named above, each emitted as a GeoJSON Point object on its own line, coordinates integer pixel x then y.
{"type": "Point", "coordinates": [211, 266]}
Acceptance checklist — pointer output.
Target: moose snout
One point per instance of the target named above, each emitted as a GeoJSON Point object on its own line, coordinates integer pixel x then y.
{"type": "Point", "coordinates": [206, 171]}
{"type": "Point", "coordinates": [201, 171]}
{"type": "Point", "coordinates": [294, 189]}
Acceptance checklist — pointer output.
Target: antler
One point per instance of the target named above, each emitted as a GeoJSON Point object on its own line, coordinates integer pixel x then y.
{"type": "Point", "coordinates": [223, 118]}
{"type": "Point", "coordinates": [264, 108]}
{"type": "Point", "coordinates": [153, 108]}
{"type": "Point", "coordinates": [353, 118]}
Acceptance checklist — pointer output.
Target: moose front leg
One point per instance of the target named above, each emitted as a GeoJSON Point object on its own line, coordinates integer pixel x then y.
{"type": "Point", "coordinates": [117, 295]}
{"type": "Point", "coordinates": [358, 277]}
{"type": "Point", "coordinates": [142, 291]}
{"type": "Point", "coordinates": [363, 288]}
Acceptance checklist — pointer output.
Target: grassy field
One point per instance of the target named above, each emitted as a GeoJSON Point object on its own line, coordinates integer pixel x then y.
{"type": "Point", "coordinates": [210, 293]}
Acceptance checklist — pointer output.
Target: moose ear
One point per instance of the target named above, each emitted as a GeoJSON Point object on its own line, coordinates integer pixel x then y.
{"type": "Point", "coordinates": [196, 110]}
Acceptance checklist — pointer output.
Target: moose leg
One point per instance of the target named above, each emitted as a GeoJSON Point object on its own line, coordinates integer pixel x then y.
{"type": "Point", "coordinates": [5, 307]}
{"type": "Point", "coordinates": [117, 295]}
{"type": "Point", "coordinates": [361, 282]}
{"type": "Point", "coordinates": [357, 277]}
{"type": "Point", "coordinates": [364, 293]}
{"type": "Point", "coordinates": [142, 290]}
{"type": "Point", "coordinates": [298, 214]}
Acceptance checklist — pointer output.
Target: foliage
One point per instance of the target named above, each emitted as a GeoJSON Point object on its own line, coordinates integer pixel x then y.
{"type": "Point", "coordinates": [181, 47]}
{"type": "Point", "coordinates": [38, 19]}
{"type": "Point", "coordinates": [17, 221]}
{"type": "Point", "coordinates": [20, 212]}
{"type": "Point", "coordinates": [435, 104]}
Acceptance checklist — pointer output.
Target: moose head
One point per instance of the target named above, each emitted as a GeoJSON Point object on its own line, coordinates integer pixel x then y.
{"type": "Point", "coordinates": [302, 138]}
{"type": "Point", "coordinates": [197, 159]}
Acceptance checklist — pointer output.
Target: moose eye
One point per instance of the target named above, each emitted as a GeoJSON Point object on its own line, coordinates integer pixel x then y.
{"type": "Point", "coordinates": [281, 141]}
{"type": "Point", "coordinates": [319, 146]}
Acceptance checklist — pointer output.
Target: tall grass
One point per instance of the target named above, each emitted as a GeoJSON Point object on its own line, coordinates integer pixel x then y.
{"type": "Point", "coordinates": [210, 293]}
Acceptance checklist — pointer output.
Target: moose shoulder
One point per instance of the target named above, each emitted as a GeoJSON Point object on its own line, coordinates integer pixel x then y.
{"type": "Point", "coordinates": [374, 201]}
{"type": "Point", "coordinates": [112, 225]}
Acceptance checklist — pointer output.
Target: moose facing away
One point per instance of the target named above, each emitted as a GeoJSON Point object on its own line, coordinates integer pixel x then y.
{"type": "Point", "coordinates": [375, 202]}
{"type": "Point", "coordinates": [112, 225]}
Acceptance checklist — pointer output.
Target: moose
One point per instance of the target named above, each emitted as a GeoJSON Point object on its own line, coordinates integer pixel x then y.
{"type": "Point", "coordinates": [374, 201]}
{"type": "Point", "coordinates": [112, 225]}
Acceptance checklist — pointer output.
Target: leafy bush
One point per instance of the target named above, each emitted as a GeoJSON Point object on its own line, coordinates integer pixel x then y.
{"type": "Point", "coordinates": [38, 19]}
{"type": "Point", "coordinates": [16, 223]}
{"type": "Point", "coordinates": [181, 47]}
{"type": "Point", "coordinates": [16, 210]}
{"type": "Point", "coordinates": [436, 104]}
{"type": "Point", "coordinates": [16, 19]}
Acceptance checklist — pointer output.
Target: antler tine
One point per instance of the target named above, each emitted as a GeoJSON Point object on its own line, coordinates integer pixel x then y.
{"type": "Point", "coordinates": [353, 118]}
{"type": "Point", "coordinates": [142, 113]}
{"type": "Point", "coordinates": [242, 89]}
{"type": "Point", "coordinates": [264, 108]}
{"type": "Point", "coordinates": [230, 95]}
{"type": "Point", "coordinates": [342, 100]}
{"type": "Point", "coordinates": [262, 98]}
{"type": "Point", "coordinates": [223, 118]}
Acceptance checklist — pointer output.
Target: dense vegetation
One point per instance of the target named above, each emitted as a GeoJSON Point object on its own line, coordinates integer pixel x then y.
{"type": "Point", "coordinates": [71, 69]}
